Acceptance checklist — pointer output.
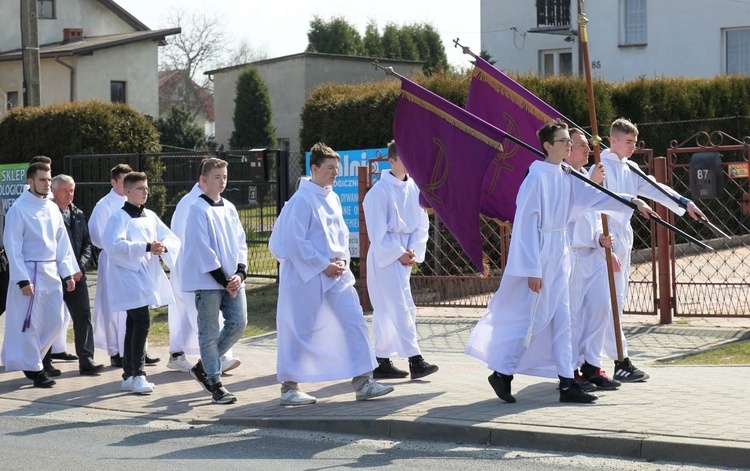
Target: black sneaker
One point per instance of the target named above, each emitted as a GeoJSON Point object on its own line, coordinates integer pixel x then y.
{"type": "Point", "coordinates": [42, 380]}
{"type": "Point", "coordinates": [584, 383]}
{"type": "Point", "coordinates": [116, 361]}
{"type": "Point", "coordinates": [420, 368]}
{"type": "Point", "coordinates": [91, 369]}
{"type": "Point", "coordinates": [386, 370]}
{"type": "Point", "coordinates": [574, 393]}
{"type": "Point", "coordinates": [199, 375]}
{"type": "Point", "coordinates": [220, 395]}
{"type": "Point", "coordinates": [64, 356]}
{"type": "Point", "coordinates": [149, 360]}
{"type": "Point", "coordinates": [51, 370]}
{"type": "Point", "coordinates": [501, 384]}
{"type": "Point", "coordinates": [626, 372]}
{"type": "Point", "coordinates": [598, 377]}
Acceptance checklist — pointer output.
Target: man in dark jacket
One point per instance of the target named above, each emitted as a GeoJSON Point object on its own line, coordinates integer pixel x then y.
{"type": "Point", "coordinates": [77, 301]}
{"type": "Point", "coordinates": [4, 270]}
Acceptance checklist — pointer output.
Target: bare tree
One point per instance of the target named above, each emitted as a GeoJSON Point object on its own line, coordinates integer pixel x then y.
{"type": "Point", "coordinates": [244, 53]}
{"type": "Point", "coordinates": [201, 46]}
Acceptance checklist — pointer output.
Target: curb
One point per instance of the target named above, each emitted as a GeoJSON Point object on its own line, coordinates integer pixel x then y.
{"type": "Point", "coordinates": [569, 440]}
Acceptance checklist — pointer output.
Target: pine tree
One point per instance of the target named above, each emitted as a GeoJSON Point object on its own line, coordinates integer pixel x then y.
{"type": "Point", "coordinates": [252, 113]}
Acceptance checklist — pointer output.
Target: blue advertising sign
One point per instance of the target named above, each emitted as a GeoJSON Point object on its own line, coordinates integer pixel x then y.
{"type": "Point", "coordinates": [347, 186]}
{"type": "Point", "coordinates": [12, 181]}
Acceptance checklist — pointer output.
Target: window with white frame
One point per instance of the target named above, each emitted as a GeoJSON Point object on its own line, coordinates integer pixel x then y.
{"type": "Point", "coordinates": [555, 62]}
{"type": "Point", "coordinates": [45, 9]}
{"type": "Point", "coordinates": [11, 100]}
{"type": "Point", "coordinates": [737, 44]}
{"type": "Point", "coordinates": [633, 30]}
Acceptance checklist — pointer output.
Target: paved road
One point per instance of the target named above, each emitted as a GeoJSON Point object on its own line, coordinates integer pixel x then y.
{"type": "Point", "coordinates": [691, 414]}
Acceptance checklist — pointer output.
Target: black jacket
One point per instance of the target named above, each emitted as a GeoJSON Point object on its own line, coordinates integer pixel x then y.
{"type": "Point", "coordinates": [78, 233]}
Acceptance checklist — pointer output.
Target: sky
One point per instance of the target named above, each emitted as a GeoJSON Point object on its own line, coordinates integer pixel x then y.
{"type": "Point", "coordinates": [279, 27]}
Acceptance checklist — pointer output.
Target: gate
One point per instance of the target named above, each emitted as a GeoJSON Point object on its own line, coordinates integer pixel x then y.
{"type": "Point", "coordinates": [713, 283]}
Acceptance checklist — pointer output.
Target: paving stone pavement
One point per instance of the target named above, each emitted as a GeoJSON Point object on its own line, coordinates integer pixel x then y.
{"type": "Point", "coordinates": [690, 414]}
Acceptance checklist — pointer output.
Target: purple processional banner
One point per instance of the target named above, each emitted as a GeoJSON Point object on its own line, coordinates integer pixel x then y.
{"type": "Point", "coordinates": [459, 162]}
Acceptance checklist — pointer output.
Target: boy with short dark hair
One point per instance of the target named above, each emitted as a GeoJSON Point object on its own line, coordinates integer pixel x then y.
{"type": "Point", "coordinates": [321, 331]}
{"type": "Point", "coordinates": [215, 258]}
{"type": "Point", "coordinates": [397, 228]}
{"type": "Point", "coordinates": [136, 241]}
{"type": "Point", "coordinates": [590, 305]}
{"type": "Point", "coordinates": [527, 325]}
{"type": "Point", "coordinates": [40, 256]}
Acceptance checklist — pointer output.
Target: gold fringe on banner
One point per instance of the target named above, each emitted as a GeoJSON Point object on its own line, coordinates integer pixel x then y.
{"type": "Point", "coordinates": [510, 94]}
{"type": "Point", "coordinates": [452, 120]}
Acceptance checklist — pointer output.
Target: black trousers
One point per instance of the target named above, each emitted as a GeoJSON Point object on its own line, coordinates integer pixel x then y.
{"type": "Point", "coordinates": [80, 313]}
{"type": "Point", "coordinates": [4, 280]}
{"type": "Point", "coordinates": [137, 326]}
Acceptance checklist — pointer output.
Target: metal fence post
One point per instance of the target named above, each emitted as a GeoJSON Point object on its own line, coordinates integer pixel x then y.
{"type": "Point", "coordinates": [363, 177]}
{"type": "Point", "coordinates": [663, 240]}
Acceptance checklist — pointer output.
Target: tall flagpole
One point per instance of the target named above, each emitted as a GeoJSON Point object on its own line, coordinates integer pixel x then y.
{"type": "Point", "coordinates": [595, 141]}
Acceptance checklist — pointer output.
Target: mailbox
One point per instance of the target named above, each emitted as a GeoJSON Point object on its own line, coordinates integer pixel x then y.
{"type": "Point", "coordinates": [256, 166]}
{"type": "Point", "coordinates": [706, 175]}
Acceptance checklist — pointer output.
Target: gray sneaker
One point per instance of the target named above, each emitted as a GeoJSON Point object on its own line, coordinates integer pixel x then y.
{"type": "Point", "coordinates": [220, 395]}
{"type": "Point", "coordinates": [371, 389]}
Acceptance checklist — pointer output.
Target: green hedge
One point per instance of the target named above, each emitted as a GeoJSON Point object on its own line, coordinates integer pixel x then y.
{"type": "Point", "coordinates": [361, 116]}
{"type": "Point", "coordinates": [75, 128]}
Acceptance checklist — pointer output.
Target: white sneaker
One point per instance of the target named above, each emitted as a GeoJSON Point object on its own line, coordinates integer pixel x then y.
{"type": "Point", "coordinates": [295, 397]}
{"type": "Point", "coordinates": [229, 363]}
{"type": "Point", "coordinates": [179, 364]}
{"type": "Point", "coordinates": [372, 389]}
{"type": "Point", "coordinates": [127, 384]}
{"type": "Point", "coordinates": [141, 386]}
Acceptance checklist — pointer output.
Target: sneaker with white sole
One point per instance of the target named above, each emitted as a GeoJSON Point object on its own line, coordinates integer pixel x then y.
{"type": "Point", "coordinates": [199, 374]}
{"type": "Point", "coordinates": [295, 397]}
{"type": "Point", "coordinates": [127, 384]}
{"type": "Point", "coordinates": [229, 363]}
{"type": "Point", "coordinates": [626, 372]}
{"type": "Point", "coordinates": [220, 395]}
{"type": "Point", "coordinates": [371, 389]}
{"type": "Point", "coordinates": [179, 363]}
{"type": "Point", "coordinates": [141, 386]}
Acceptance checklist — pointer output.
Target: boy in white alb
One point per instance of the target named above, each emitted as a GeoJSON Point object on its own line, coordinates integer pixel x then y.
{"type": "Point", "coordinates": [322, 334]}
{"type": "Point", "coordinates": [39, 255]}
{"type": "Point", "coordinates": [183, 316]}
{"type": "Point", "coordinates": [109, 325]}
{"type": "Point", "coordinates": [527, 325]}
{"type": "Point", "coordinates": [623, 137]}
{"type": "Point", "coordinates": [215, 262]}
{"type": "Point", "coordinates": [136, 241]}
{"type": "Point", "coordinates": [590, 305]}
{"type": "Point", "coordinates": [397, 228]}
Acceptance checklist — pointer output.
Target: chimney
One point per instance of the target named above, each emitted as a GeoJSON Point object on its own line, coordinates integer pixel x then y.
{"type": "Point", "coordinates": [72, 35]}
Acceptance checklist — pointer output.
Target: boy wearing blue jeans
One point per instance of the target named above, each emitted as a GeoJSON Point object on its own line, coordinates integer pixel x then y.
{"type": "Point", "coordinates": [216, 251]}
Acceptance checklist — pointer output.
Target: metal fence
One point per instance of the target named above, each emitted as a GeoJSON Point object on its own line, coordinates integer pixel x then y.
{"type": "Point", "coordinates": [700, 283]}
{"type": "Point", "coordinates": [714, 283]}
{"type": "Point", "coordinates": [259, 182]}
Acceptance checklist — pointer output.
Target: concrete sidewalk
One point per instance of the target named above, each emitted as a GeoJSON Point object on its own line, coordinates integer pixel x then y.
{"type": "Point", "coordinates": [690, 414]}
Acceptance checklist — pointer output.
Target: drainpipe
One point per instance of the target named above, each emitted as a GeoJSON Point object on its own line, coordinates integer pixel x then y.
{"type": "Point", "coordinates": [72, 77]}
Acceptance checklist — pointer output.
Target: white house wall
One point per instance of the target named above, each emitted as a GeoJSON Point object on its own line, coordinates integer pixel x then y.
{"type": "Point", "coordinates": [55, 80]}
{"type": "Point", "coordinates": [96, 21]}
{"type": "Point", "coordinates": [685, 37]}
{"type": "Point", "coordinates": [135, 64]}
